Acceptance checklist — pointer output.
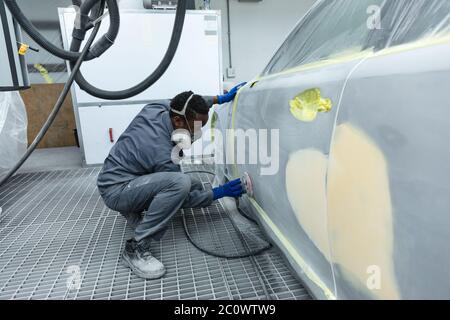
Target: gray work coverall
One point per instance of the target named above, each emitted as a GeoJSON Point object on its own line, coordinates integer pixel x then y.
{"type": "Point", "coordinates": [140, 176]}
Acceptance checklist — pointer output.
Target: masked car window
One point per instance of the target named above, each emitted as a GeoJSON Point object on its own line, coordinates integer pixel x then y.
{"type": "Point", "coordinates": [406, 21]}
{"type": "Point", "coordinates": [341, 27]}
{"type": "Point", "coordinates": [332, 28]}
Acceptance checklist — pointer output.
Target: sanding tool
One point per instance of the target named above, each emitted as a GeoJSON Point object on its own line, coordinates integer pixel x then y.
{"type": "Point", "coordinates": [247, 184]}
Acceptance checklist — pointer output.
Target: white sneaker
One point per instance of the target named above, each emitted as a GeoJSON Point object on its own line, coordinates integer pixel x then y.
{"type": "Point", "coordinates": [139, 259]}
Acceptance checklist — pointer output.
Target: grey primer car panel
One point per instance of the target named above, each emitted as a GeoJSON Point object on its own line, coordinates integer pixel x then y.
{"type": "Point", "coordinates": [360, 203]}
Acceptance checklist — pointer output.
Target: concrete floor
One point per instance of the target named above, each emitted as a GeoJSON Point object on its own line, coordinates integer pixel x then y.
{"type": "Point", "coordinates": [53, 159]}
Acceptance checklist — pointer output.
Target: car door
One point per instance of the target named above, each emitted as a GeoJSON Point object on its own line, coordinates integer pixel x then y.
{"type": "Point", "coordinates": [390, 162]}
{"type": "Point", "coordinates": [291, 109]}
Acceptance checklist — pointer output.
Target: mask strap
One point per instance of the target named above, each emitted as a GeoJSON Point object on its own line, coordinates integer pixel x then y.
{"type": "Point", "coordinates": [183, 112]}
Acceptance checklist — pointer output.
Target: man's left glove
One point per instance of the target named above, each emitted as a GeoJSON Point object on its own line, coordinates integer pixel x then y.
{"type": "Point", "coordinates": [231, 189]}
{"type": "Point", "coordinates": [230, 95]}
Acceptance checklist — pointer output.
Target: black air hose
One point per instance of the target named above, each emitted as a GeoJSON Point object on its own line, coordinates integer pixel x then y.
{"type": "Point", "coordinates": [149, 81]}
{"type": "Point", "coordinates": [88, 54]}
{"type": "Point", "coordinates": [248, 252]}
{"type": "Point", "coordinates": [104, 42]}
{"type": "Point", "coordinates": [108, 39]}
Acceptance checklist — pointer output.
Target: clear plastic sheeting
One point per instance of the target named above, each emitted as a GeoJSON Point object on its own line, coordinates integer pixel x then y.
{"type": "Point", "coordinates": [356, 97]}
{"type": "Point", "coordinates": [13, 130]}
{"type": "Point", "coordinates": [407, 21]}
{"type": "Point", "coordinates": [337, 28]}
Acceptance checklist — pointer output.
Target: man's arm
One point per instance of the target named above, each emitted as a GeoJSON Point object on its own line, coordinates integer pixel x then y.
{"type": "Point", "coordinates": [199, 198]}
{"type": "Point", "coordinates": [221, 99]}
{"type": "Point", "coordinates": [168, 158]}
{"type": "Point", "coordinates": [210, 100]}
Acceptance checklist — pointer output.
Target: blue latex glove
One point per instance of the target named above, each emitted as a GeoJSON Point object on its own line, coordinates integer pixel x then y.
{"type": "Point", "coordinates": [230, 95]}
{"type": "Point", "coordinates": [231, 189]}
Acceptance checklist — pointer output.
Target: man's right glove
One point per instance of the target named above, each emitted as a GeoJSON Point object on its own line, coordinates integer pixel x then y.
{"type": "Point", "coordinates": [231, 189]}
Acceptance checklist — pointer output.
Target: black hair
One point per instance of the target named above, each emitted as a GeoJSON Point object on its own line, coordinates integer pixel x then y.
{"type": "Point", "coordinates": [197, 105]}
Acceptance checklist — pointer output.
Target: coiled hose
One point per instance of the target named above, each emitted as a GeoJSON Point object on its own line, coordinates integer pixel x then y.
{"type": "Point", "coordinates": [89, 53]}
{"type": "Point", "coordinates": [249, 253]}
{"type": "Point", "coordinates": [150, 80]}
{"type": "Point", "coordinates": [96, 50]}
{"type": "Point", "coordinates": [102, 45]}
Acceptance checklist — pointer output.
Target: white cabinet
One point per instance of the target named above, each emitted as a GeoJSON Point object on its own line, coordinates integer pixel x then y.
{"type": "Point", "coordinates": [96, 123]}
{"type": "Point", "coordinates": [141, 44]}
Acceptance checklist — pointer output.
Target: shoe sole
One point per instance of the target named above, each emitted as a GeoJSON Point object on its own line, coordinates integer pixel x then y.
{"type": "Point", "coordinates": [127, 263]}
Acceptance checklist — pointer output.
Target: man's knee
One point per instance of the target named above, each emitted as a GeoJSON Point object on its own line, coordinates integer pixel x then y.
{"type": "Point", "coordinates": [184, 183]}
{"type": "Point", "coordinates": [196, 184]}
{"type": "Point", "coordinates": [110, 200]}
{"type": "Point", "coordinates": [179, 182]}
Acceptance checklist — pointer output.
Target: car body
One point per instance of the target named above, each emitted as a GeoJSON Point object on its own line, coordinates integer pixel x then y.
{"type": "Point", "coordinates": [359, 95]}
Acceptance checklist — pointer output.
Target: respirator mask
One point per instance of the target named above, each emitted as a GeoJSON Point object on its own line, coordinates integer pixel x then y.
{"type": "Point", "coordinates": [182, 137]}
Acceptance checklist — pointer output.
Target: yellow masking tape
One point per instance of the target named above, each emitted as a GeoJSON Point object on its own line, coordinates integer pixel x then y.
{"type": "Point", "coordinates": [432, 41]}
{"type": "Point", "coordinates": [231, 137]}
{"type": "Point", "coordinates": [429, 42]}
{"type": "Point", "coordinates": [43, 72]}
{"type": "Point", "coordinates": [321, 64]}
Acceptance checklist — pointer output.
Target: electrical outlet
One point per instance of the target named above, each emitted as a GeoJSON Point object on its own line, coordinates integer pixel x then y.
{"type": "Point", "coordinates": [231, 73]}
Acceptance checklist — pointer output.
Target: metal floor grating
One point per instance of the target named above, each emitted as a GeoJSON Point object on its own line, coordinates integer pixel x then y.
{"type": "Point", "coordinates": [54, 228]}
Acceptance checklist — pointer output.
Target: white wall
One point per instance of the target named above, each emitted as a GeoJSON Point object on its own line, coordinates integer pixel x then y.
{"type": "Point", "coordinates": [257, 30]}
{"type": "Point", "coordinates": [131, 4]}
